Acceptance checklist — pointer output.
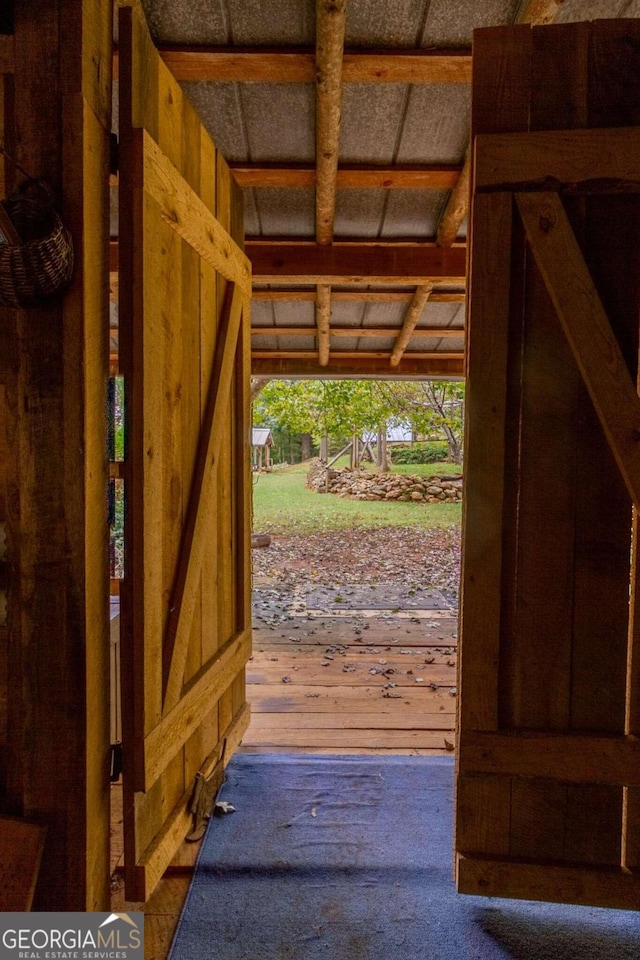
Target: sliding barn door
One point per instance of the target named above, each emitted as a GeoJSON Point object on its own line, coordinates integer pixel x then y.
{"type": "Point", "coordinates": [185, 288]}
{"type": "Point", "coordinates": [548, 778]}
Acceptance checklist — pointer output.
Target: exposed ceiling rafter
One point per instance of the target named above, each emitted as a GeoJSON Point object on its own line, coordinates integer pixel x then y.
{"type": "Point", "coordinates": [358, 296]}
{"type": "Point", "coordinates": [330, 30]}
{"type": "Point", "coordinates": [323, 322]}
{"type": "Point", "coordinates": [427, 177]}
{"type": "Point", "coordinates": [411, 320]}
{"type": "Point", "coordinates": [430, 333]}
{"type": "Point", "coordinates": [379, 263]}
{"type": "Point", "coordinates": [260, 65]}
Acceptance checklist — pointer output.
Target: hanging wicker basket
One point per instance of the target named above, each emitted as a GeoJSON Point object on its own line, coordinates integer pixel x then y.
{"type": "Point", "coordinates": [36, 249]}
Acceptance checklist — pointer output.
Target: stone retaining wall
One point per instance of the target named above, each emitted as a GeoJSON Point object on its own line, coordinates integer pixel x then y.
{"type": "Point", "coordinates": [358, 485]}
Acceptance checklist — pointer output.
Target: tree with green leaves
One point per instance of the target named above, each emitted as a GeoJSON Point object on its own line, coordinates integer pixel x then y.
{"type": "Point", "coordinates": [340, 408]}
{"type": "Point", "coordinates": [333, 408]}
{"type": "Point", "coordinates": [432, 407]}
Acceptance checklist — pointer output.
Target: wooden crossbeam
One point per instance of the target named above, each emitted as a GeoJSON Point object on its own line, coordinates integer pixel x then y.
{"type": "Point", "coordinates": [201, 501]}
{"type": "Point", "coordinates": [410, 322]}
{"type": "Point", "coordinates": [323, 322]}
{"type": "Point", "coordinates": [298, 66]}
{"type": "Point", "coordinates": [490, 877]}
{"type": "Point", "coordinates": [330, 29]}
{"type": "Point", "coordinates": [569, 758]}
{"type": "Point", "coordinates": [357, 296]}
{"type": "Point", "coordinates": [188, 215]}
{"type": "Point", "coordinates": [419, 177]}
{"type": "Point", "coordinates": [361, 366]}
{"type": "Point", "coordinates": [338, 355]}
{"type": "Point", "coordinates": [456, 208]}
{"type": "Point", "coordinates": [303, 262]}
{"type": "Point", "coordinates": [382, 332]}
{"type": "Point", "coordinates": [343, 263]}
{"type": "Point", "coordinates": [587, 328]}
{"type": "Point", "coordinates": [153, 862]}
{"type": "Point", "coordinates": [185, 716]}
{"type": "Point", "coordinates": [583, 160]}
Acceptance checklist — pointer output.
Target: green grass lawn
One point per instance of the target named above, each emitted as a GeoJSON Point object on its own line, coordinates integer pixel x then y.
{"type": "Point", "coordinates": [282, 504]}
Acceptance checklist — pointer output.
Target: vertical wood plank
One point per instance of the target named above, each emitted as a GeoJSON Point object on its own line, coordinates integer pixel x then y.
{"type": "Point", "coordinates": [501, 69]}
{"type": "Point", "coordinates": [487, 356]}
{"type": "Point", "coordinates": [59, 624]}
{"type": "Point", "coordinates": [242, 459]}
{"type": "Point", "coordinates": [196, 748]}
{"type": "Point", "coordinates": [3, 629]}
{"type": "Point", "coordinates": [537, 664]}
{"type": "Point", "coordinates": [209, 307]}
{"type": "Point", "coordinates": [614, 99]}
{"type": "Point", "coordinates": [225, 572]}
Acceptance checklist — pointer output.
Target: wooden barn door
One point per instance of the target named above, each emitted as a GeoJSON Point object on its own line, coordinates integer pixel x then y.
{"type": "Point", "coordinates": [548, 778]}
{"type": "Point", "coordinates": [185, 288]}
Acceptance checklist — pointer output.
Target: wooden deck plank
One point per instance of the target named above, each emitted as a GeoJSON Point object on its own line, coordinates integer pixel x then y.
{"type": "Point", "coordinates": [355, 723]}
{"type": "Point", "coordinates": [340, 707]}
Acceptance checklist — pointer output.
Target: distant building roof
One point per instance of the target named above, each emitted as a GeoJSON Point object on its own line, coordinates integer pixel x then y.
{"type": "Point", "coordinates": [399, 434]}
{"type": "Point", "coordinates": [261, 437]}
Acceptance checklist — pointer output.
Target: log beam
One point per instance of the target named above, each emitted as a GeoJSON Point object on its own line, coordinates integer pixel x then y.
{"type": "Point", "coordinates": [411, 319]}
{"type": "Point", "coordinates": [457, 206]}
{"type": "Point", "coordinates": [540, 12]}
{"type": "Point", "coordinates": [323, 321]}
{"type": "Point", "coordinates": [330, 30]}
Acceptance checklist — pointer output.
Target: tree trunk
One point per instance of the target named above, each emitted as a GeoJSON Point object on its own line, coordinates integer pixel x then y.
{"type": "Point", "coordinates": [306, 446]}
{"type": "Point", "coordinates": [455, 449]}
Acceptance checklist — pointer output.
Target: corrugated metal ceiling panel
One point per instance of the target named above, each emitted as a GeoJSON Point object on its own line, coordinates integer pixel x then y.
{"type": "Point", "coordinates": [359, 213]}
{"type": "Point", "coordinates": [413, 213]}
{"type": "Point", "coordinates": [436, 125]}
{"type": "Point", "coordinates": [287, 22]}
{"type": "Point", "coordinates": [285, 212]}
{"type": "Point", "coordinates": [220, 108]}
{"type": "Point", "coordinates": [452, 24]}
{"type": "Point", "coordinates": [385, 23]}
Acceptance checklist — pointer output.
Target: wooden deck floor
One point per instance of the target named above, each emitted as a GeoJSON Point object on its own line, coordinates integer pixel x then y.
{"type": "Point", "coordinates": [359, 682]}
{"type": "Point", "coordinates": [354, 681]}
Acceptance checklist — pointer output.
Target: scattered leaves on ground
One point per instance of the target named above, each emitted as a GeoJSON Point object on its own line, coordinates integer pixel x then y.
{"type": "Point", "coordinates": [385, 555]}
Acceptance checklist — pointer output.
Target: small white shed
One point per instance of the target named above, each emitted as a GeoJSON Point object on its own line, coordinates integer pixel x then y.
{"type": "Point", "coordinates": [261, 443]}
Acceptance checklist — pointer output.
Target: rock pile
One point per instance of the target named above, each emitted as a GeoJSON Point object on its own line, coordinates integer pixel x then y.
{"type": "Point", "coordinates": [358, 485]}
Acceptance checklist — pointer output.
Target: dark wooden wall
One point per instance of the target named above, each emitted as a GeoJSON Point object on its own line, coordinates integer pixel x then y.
{"type": "Point", "coordinates": [549, 642]}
